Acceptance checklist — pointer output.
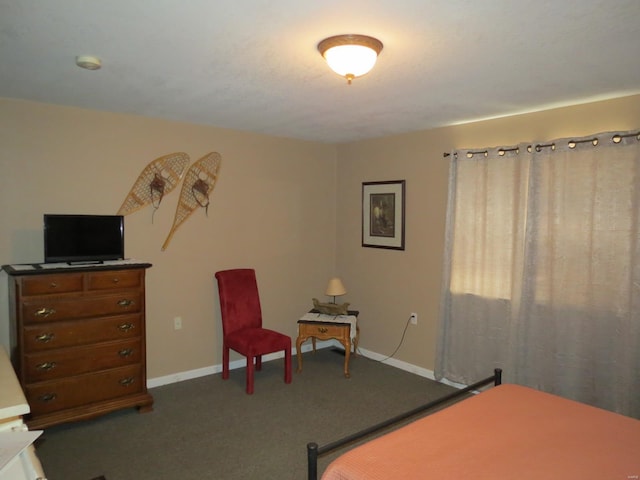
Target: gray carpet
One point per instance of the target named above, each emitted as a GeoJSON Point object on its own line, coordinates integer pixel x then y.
{"type": "Point", "coordinates": [208, 428]}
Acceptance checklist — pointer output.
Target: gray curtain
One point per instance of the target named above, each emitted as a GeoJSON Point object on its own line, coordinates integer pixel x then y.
{"type": "Point", "coordinates": [542, 268]}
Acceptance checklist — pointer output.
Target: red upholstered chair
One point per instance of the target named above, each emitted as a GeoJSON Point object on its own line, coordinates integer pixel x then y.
{"type": "Point", "coordinates": [242, 324]}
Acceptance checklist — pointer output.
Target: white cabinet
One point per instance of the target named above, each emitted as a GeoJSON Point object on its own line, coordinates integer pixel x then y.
{"type": "Point", "coordinates": [18, 460]}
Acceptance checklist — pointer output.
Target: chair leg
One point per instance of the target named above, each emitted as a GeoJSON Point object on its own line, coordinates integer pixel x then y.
{"type": "Point", "coordinates": [259, 362]}
{"type": "Point", "coordinates": [287, 365]}
{"type": "Point", "coordinates": [249, 375]}
{"type": "Point", "coordinates": [225, 362]}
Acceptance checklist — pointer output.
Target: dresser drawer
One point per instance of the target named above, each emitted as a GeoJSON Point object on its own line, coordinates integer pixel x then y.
{"type": "Point", "coordinates": [53, 309]}
{"type": "Point", "coordinates": [46, 397]}
{"type": "Point", "coordinates": [52, 284]}
{"type": "Point", "coordinates": [75, 361]}
{"type": "Point", "coordinates": [48, 336]}
{"type": "Point", "coordinates": [116, 279]}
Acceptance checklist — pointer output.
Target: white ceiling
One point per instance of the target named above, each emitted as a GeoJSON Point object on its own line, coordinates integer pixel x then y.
{"type": "Point", "coordinates": [253, 64]}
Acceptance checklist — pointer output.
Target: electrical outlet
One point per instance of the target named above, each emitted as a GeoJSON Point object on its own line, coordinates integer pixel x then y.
{"type": "Point", "coordinates": [414, 318]}
{"type": "Point", "coordinates": [177, 323]}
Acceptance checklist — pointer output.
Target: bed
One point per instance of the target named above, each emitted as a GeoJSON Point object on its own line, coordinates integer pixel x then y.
{"type": "Point", "coordinates": [508, 431]}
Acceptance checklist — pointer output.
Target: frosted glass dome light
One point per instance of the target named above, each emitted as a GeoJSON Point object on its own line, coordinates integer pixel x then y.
{"type": "Point", "coordinates": [350, 56]}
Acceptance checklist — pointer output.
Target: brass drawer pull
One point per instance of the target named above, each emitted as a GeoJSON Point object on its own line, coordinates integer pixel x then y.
{"type": "Point", "coordinates": [46, 366]}
{"type": "Point", "coordinates": [53, 285]}
{"type": "Point", "coordinates": [323, 329]}
{"type": "Point", "coordinates": [126, 303]}
{"type": "Point", "coordinates": [115, 280]}
{"type": "Point", "coordinates": [125, 352]}
{"type": "Point", "coordinates": [45, 312]}
{"type": "Point", "coordinates": [47, 397]}
{"type": "Point", "coordinates": [45, 337]}
{"type": "Point", "coordinates": [125, 327]}
{"type": "Point", "coordinates": [125, 382]}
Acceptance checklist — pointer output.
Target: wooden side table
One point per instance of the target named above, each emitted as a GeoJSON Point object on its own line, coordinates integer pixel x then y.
{"type": "Point", "coordinates": [327, 330]}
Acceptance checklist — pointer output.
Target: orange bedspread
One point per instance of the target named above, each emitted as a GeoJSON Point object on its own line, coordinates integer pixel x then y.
{"type": "Point", "coordinates": [507, 432]}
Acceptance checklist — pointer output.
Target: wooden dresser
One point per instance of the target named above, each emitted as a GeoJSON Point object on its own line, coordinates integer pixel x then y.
{"type": "Point", "coordinates": [78, 340]}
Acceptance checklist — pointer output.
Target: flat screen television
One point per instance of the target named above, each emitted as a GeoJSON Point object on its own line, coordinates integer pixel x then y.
{"type": "Point", "coordinates": [83, 238]}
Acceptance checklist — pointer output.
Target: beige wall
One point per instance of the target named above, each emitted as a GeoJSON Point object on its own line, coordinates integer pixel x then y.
{"type": "Point", "coordinates": [386, 285]}
{"type": "Point", "coordinates": [272, 209]}
{"type": "Point", "coordinates": [290, 209]}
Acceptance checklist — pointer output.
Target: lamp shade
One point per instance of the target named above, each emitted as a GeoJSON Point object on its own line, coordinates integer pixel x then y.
{"type": "Point", "coordinates": [350, 56]}
{"type": "Point", "coordinates": [335, 288]}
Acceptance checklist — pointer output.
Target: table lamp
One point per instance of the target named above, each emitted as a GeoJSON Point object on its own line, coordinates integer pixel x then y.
{"type": "Point", "coordinates": [335, 288]}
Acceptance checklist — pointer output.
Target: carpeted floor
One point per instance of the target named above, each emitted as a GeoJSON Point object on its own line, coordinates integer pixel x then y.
{"type": "Point", "coordinates": [209, 428]}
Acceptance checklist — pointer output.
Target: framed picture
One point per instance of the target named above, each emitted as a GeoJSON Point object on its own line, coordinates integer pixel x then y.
{"type": "Point", "coordinates": [383, 214]}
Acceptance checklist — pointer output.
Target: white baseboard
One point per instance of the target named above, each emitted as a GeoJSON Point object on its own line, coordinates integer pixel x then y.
{"type": "Point", "coordinates": [407, 367]}
{"type": "Point", "coordinates": [241, 363]}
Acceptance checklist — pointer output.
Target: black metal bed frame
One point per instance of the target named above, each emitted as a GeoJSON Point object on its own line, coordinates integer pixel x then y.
{"type": "Point", "coordinates": [314, 451]}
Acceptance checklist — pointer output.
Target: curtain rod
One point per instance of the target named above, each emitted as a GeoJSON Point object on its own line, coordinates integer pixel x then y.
{"type": "Point", "coordinates": [617, 138]}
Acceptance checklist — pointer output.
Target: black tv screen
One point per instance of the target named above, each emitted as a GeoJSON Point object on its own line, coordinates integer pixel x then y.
{"type": "Point", "coordinates": [83, 238]}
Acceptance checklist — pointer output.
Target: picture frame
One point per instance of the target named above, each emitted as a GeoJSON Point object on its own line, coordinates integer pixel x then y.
{"type": "Point", "coordinates": [383, 205]}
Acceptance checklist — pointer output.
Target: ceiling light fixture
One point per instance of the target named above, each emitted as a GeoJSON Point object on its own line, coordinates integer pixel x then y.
{"type": "Point", "coordinates": [350, 56]}
{"type": "Point", "coordinates": [89, 62]}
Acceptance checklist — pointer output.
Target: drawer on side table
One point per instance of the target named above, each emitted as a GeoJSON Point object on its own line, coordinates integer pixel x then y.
{"type": "Point", "coordinates": [325, 331]}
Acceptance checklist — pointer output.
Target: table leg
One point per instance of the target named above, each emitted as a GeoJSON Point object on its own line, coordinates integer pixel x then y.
{"type": "Point", "coordinates": [299, 352]}
{"type": "Point", "coordinates": [347, 354]}
{"type": "Point", "coordinates": [356, 340]}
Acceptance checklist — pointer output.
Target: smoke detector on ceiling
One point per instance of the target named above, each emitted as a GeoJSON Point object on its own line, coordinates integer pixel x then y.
{"type": "Point", "coordinates": [89, 62]}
